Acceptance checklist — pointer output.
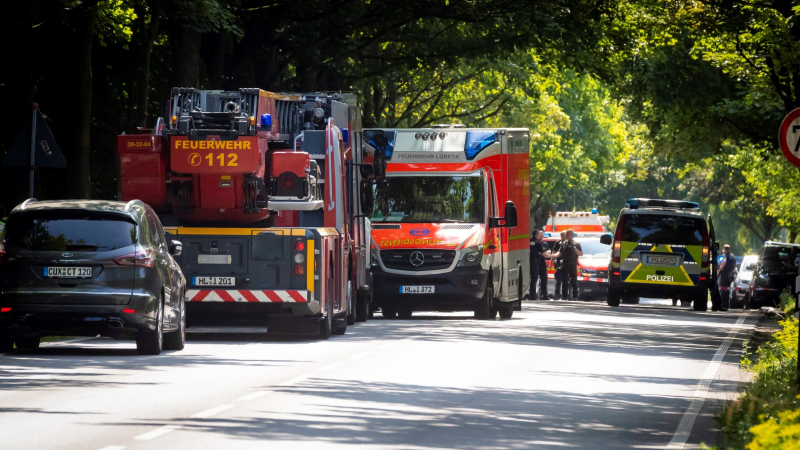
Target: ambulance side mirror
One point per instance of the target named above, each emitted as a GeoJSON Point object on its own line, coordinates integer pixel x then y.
{"type": "Point", "coordinates": [510, 219]}
{"type": "Point", "coordinates": [366, 198]}
{"type": "Point", "coordinates": [606, 239]}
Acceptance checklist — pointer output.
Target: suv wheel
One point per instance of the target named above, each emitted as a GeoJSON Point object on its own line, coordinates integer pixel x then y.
{"type": "Point", "coordinates": [152, 342]}
{"type": "Point", "coordinates": [27, 343]}
{"type": "Point", "coordinates": [176, 340]}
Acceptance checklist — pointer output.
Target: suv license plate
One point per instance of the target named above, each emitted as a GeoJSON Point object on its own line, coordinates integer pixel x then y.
{"type": "Point", "coordinates": [213, 281]}
{"type": "Point", "coordinates": [68, 272]}
{"type": "Point", "coordinates": [416, 289]}
{"type": "Point", "coordinates": [663, 260]}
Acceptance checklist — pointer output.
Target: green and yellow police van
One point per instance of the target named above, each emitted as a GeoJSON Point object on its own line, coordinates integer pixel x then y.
{"type": "Point", "coordinates": [662, 249]}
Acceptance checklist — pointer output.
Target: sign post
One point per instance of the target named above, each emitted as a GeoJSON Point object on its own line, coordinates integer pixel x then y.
{"type": "Point", "coordinates": [789, 139]}
{"type": "Point", "coordinates": [41, 151]}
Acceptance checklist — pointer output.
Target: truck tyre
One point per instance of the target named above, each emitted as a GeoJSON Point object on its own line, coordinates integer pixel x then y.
{"type": "Point", "coordinates": [6, 344]}
{"type": "Point", "coordinates": [483, 311]}
{"type": "Point", "coordinates": [176, 340]}
{"type": "Point", "coordinates": [613, 298]}
{"type": "Point", "coordinates": [362, 305]}
{"type": "Point", "coordinates": [339, 326]}
{"type": "Point", "coordinates": [152, 342]}
{"type": "Point", "coordinates": [388, 313]}
{"type": "Point", "coordinates": [405, 313]}
{"type": "Point", "coordinates": [27, 343]}
{"type": "Point", "coordinates": [700, 304]}
{"type": "Point", "coordinates": [326, 324]}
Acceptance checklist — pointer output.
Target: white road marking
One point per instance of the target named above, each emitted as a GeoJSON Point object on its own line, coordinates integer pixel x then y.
{"type": "Point", "coordinates": [331, 366]}
{"type": "Point", "coordinates": [68, 341]}
{"type": "Point", "coordinates": [157, 432]}
{"type": "Point", "coordinates": [296, 380]}
{"type": "Point", "coordinates": [253, 396]}
{"type": "Point", "coordinates": [114, 447]}
{"type": "Point", "coordinates": [687, 421]}
{"type": "Point", "coordinates": [211, 412]}
{"type": "Point", "coordinates": [361, 355]}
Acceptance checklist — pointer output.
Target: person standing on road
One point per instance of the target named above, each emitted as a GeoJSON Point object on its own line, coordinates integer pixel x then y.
{"type": "Point", "coordinates": [540, 252]}
{"type": "Point", "coordinates": [561, 285]}
{"type": "Point", "coordinates": [570, 252]}
{"type": "Point", "coordinates": [725, 276]}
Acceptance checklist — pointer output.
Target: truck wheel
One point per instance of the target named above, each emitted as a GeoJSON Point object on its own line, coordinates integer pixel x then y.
{"type": "Point", "coordinates": [483, 311]}
{"type": "Point", "coordinates": [388, 313]}
{"type": "Point", "coordinates": [613, 298]}
{"type": "Point", "coordinates": [339, 326]}
{"type": "Point", "coordinates": [27, 343]}
{"type": "Point", "coordinates": [405, 313]}
{"type": "Point", "coordinates": [152, 342]}
{"type": "Point", "coordinates": [326, 324]}
{"type": "Point", "coordinates": [362, 305]}
{"type": "Point", "coordinates": [506, 313]}
{"type": "Point", "coordinates": [351, 304]}
{"type": "Point", "coordinates": [700, 304]}
{"type": "Point", "coordinates": [6, 344]}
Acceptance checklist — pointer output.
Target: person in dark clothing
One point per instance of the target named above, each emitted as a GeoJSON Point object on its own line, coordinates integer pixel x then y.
{"type": "Point", "coordinates": [570, 252]}
{"type": "Point", "coordinates": [726, 274]}
{"type": "Point", "coordinates": [540, 252]}
{"type": "Point", "coordinates": [561, 285]}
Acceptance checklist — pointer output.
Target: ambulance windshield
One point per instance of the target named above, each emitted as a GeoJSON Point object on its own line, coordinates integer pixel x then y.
{"type": "Point", "coordinates": [430, 199]}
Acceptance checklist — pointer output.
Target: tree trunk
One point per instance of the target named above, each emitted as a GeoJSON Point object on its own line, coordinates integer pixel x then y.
{"type": "Point", "coordinates": [83, 112]}
{"type": "Point", "coordinates": [185, 56]}
{"type": "Point", "coordinates": [148, 34]}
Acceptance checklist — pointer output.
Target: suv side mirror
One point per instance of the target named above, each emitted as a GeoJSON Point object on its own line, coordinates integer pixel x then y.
{"type": "Point", "coordinates": [510, 219]}
{"type": "Point", "coordinates": [606, 239]}
{"type": "Point", "coordinates": [175, 248]}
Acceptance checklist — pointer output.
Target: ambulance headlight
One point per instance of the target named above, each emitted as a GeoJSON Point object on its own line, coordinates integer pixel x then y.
{"type": "Point", "coordinates": [471, 256]}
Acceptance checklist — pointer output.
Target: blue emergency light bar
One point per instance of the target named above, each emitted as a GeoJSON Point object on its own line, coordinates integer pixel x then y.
{"type": "Point", "coordinates": [635, 203]}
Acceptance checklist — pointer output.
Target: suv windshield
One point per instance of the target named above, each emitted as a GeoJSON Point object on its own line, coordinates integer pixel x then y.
{"type": "Point", "coordinates": [663, 229]}
{"type": "Point", "coordinates": [779, 258]}
{"type": "Point", "coordinates": [63, 231]}
{"type": "Point", "coordinates": [593, 248]}
{"type": "Point", "coordinates": [430, 199]}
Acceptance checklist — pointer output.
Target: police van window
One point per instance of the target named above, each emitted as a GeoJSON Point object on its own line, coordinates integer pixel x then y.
{"type": "Point", "coordinates": [663, 229]}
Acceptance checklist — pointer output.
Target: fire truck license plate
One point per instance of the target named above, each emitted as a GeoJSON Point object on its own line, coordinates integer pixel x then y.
{"type": "Point", "coordinates": [213, 281]}
{"type": "Point", "coordinates": [416, 289]}
{"type": "Point", "coordinates": [68, 272]}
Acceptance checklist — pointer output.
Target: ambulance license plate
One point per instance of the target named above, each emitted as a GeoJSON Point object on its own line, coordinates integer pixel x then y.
{"type": "Point", "coordinates": [417, 289]}
{"type": "Point", "coordinates": [662, 260]}
{"type": "Point", "coordinates": [68, 272]}
{"type": "Point", "coordinates": [213, 281]}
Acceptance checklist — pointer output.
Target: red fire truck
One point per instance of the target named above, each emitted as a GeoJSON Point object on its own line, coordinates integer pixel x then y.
{"type": "Point", "coordinates": [262, 190]}
{"type": "Point", "coordinates": [445, 232]}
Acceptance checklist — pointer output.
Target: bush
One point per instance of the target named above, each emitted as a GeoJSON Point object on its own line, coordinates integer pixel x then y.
{"type": "Point", "coordinates": [768, 402]}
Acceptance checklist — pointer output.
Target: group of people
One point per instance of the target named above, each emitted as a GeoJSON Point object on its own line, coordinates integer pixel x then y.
{"type": "Point", "coordinates": [564, 259]}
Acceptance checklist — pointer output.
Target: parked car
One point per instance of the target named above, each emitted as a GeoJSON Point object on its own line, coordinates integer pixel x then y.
{"type": "Point", "coordinates": [774, 272]}
{"type": "Point", "coordinates": [740, 295]}
{"type": "Point", "coordinates": [83, 268]}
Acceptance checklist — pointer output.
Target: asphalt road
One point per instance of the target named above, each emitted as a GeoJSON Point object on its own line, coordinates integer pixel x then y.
{"type": "Point", "coordinates": [557, 375]}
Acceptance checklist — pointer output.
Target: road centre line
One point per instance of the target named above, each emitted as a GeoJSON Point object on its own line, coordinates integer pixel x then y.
{"type": "Point", "coordinates": [211, 412]}
{"type": "Point", "coordinates": [157, 432]}
{"type": "Point", "coordinates": [253, 396]}
{"type": "Point", "coordinates": [700, 394]}
{"type": "Point", "coordinates": [361, 355]}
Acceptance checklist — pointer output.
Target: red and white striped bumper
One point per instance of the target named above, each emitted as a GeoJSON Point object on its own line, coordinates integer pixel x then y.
{"type": "Point", "coordinates": [598, 280]}
{"type": "Point", "coordinates": [247, 296]}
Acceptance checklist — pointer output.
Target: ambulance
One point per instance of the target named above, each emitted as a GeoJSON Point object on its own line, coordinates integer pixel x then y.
{"type": "Point", "coordinates": [592, 276]}
{"type": "Point", "coordinates": [446, 235]}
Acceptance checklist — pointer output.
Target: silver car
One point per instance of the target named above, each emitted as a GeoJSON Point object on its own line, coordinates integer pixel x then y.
{"type": "Point", "coordinates": [741, 284]}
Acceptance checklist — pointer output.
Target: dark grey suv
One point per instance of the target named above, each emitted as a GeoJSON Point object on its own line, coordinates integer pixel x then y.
{"type": "Point", "coordinates": [89, 267]}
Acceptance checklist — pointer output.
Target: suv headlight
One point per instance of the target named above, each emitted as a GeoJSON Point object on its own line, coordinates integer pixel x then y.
{"type": "Point", "coordinates": [471, 256]}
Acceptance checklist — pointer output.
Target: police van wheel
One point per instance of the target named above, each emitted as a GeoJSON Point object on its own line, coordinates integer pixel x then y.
{"type": "Point", "coordinates": [700, 304]}
{"type": "Point", "coordinates": [613, 298]}
{"type": "Point", "coordinates": [483, 310]}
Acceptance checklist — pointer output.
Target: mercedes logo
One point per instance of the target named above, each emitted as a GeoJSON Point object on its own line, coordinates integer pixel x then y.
{"type": "Point", "coordinates": [417, 259]}
{"type": "Point", "coordinates": [66, 255]}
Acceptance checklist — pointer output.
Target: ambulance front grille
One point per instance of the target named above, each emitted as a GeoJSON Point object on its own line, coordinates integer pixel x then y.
{"type": "Point", "coordinates": [431, 259]}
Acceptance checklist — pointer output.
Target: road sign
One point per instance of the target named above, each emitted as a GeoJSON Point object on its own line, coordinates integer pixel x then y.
{"type": "Point", "coordinates": [789, 137]}
{"type": "Point", "coordinates": [35, 146]}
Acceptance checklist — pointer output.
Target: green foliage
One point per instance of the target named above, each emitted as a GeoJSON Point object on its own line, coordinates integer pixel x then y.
{"type": "Point", "coordinates": [767, 400]}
